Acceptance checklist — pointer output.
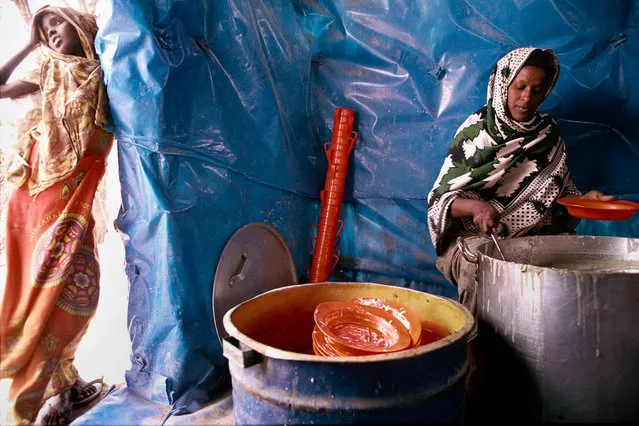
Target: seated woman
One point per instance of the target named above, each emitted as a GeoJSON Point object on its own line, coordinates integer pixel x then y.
{"type": "Point", "coordinates": [504, 171]}
{"type": "Point", "coordinates": [503, 174]}
{"type": "Point", "coordinates": [53, 275]}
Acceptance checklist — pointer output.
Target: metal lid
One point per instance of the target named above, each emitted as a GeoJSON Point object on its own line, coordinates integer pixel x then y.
{"type": "Point", "coordinates": [255, 260]}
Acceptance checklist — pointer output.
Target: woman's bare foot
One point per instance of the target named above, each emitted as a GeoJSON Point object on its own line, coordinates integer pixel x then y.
{"type": "Point", "coordinates": [56, 410]}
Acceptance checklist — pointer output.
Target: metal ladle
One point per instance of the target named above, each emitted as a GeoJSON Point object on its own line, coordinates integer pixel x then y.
{"type": "Point", "coordinates": [492, 234]}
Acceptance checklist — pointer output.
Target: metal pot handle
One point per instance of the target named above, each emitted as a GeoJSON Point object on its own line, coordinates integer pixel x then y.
{"type": "Point", "coordinates": [241, 354]}
{"type": "Point", "coordinates": [468, 255]}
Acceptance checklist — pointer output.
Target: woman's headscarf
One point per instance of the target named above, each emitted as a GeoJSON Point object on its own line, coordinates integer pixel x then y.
{"type": "Point", "coordinates": [74, 102]}
{"type": "Point", "coordinates": [519, 168]}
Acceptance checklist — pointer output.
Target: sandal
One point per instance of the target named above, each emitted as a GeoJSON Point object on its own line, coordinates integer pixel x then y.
{"type": "Point", "coordinates": [81, 391]}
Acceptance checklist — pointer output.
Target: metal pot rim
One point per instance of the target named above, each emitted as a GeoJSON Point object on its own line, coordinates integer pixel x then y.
{"type": "Point", "coordinates": [486, 251]}
{"type": "Point", "coordinates": [272, 352]}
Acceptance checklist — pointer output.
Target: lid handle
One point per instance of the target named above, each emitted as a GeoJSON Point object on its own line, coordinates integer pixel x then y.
{"type": "Point", "coordinates": [242, 269]}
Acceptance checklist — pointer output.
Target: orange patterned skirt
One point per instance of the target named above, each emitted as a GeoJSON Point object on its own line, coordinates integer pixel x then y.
{"type": "Point", "coordinates": [52, 286]}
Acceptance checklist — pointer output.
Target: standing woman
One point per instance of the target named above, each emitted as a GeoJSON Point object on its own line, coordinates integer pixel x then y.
{"type": "Point", "coordinates": [53, 274]}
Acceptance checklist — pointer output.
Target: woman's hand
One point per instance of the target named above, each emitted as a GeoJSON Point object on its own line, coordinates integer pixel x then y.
{"type": "Point", "coordinates": [19, 88]}
{"type": "Point", "coordinates": [484, 215]}
{"type": "Point", "coordinates": [34, 38]}
{"type": "Point", "coordinates": [597, 195]}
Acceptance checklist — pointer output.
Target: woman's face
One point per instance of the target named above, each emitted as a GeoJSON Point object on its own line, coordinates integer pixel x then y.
{"type": "Point", "coordinates": [526, 93]}
{"type": "Point", "coordinates": [61, 35]}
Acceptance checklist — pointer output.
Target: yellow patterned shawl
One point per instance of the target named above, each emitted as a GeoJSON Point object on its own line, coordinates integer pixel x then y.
{"type": "Point", "coordinates": [74, 102]}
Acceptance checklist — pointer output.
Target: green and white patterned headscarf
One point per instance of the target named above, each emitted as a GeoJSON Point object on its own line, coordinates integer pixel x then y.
{"type": "Point", "coordinates": [519, 168]}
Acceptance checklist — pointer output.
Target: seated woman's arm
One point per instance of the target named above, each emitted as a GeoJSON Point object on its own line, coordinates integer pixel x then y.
{"type": "Point", "coordinates": [484, 215]}
{"type": "Point", "coordinates": [571, 191]}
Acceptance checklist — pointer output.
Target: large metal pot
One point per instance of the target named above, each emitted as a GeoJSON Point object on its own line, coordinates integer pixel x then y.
{"type": "Point", "coordinates": [559, 328]}
{"type": "Point", "coordinates": [284, 385]}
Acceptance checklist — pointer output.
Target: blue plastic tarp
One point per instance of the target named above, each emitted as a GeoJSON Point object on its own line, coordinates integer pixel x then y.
{"type": "Point", "coordinates": [221, 109]}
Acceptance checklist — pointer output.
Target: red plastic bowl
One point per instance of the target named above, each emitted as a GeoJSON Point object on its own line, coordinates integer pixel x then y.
{"type": "Point", "coordinates": [363, 328]}
{"type": "Point", "coordinates": [599, 210]}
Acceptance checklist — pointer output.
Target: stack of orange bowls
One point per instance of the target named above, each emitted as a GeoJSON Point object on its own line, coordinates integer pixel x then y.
{"type": "Point", "coordinates": [365, 326]}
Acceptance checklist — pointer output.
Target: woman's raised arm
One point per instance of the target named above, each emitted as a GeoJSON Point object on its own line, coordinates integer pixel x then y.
{"type": "Point", "coordinates": [18, 88]}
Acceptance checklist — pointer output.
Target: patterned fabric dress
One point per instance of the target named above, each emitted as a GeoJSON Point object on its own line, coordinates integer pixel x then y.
{"type": "Point", "coordinates": [53, 274]}
{"type": "Point", "coordinates": [519, 168]}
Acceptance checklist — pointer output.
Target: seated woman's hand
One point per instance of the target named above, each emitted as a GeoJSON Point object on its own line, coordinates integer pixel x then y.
{"type": "Point", "coordinates": [485, 216]}
{"type": "Point", "coordinates": [597, 195]}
